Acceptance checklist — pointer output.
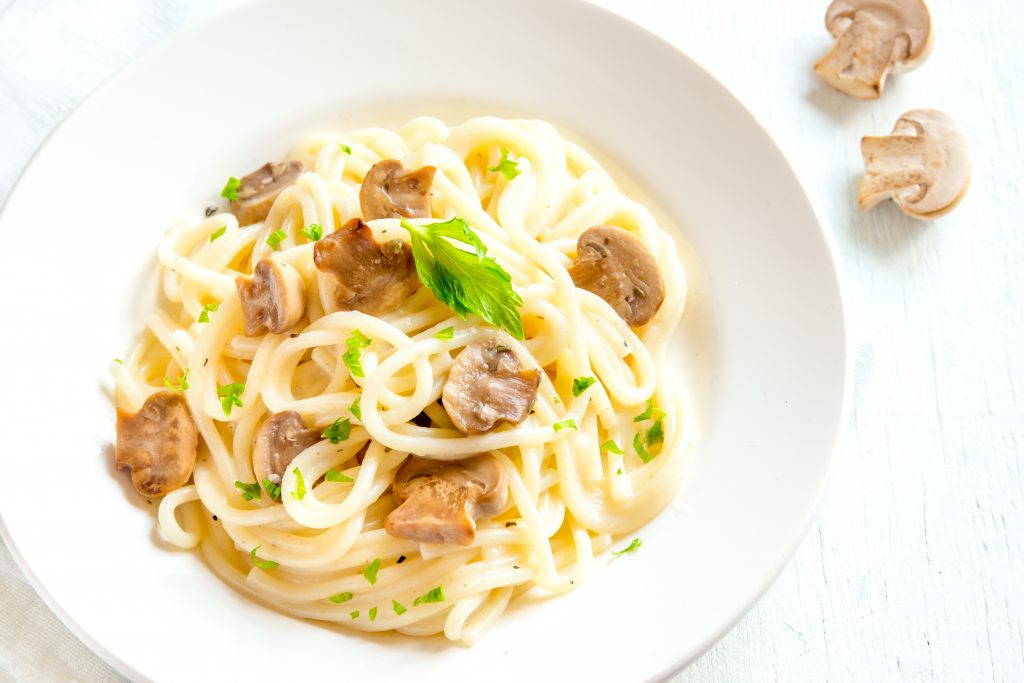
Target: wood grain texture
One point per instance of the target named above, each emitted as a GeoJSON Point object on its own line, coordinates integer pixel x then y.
{"type": "Point", "coordinates": [914, 570]}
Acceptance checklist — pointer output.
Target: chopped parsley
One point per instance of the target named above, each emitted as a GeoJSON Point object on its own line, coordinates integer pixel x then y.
{"type": "Point", "coordinates": [618, 471]}
{"type": "Point", "coordinates": [204, 315]}
{"type": "Point", "coordinates": [273, 490]}
{"type": "Point", "coordinates": [180, 384]}
{"type": "Point", "coordinates": [354, 614]}
{"type": "Point", "coordinates": [300, 485]}
{"type": "Point", "coordinates": [355, 409]}
{"type": "Point", "coordinates": [249, 491]}
{"type": "Point", "coordinates": [119, 361]}
{"type": "Point", "coordinates": [629, 548]}
{"type": "Point", "coordinates": [373, 613]}
{"type": "Point", "coordinates": [435, 595]}
{"type": "Point", "coordinates": [397, 606]}
{"type": "Point", "coordinates": [313, 233]}
{"type": "Point", "coordinates": [230, 190]}
{"type": "Point", "coordinates": [275, 239]}
{"type": "Point", "coordinates": [581, 384]}
{"type": "Point", "coordinates": [261, 564]}
{"type": "Point", "coordinates": [340, 597]}
{"type": "Point", "coordinates": [611, 447]}
{"type": "Point", "coordinates": [651, 412]}
{"type": "Point", "coordinates": [356, 341]}
{"type": "Point", "coordinates": [507, 167]}
{"type": "Point", "coordinates": [446, 333]}
{"type": "Point", "coordinates": [345, 148]}
{"type": "Point", "coordinates": [219, 233]}
{"type": "Point", "coordinates": [338, 431]}
{"type": "Point", "coordinates": [638, 446]}
{"type": "Point", "coordinates": [656, 434]}
{"type": "Point", "coordinates": [564, 424]}
{"type": "Point", "coordinates": [335, 475]}
{"type": "Point", "coordinates": [370, 573]}
{"type": "Point", "coordinates": [230, 395]}
{"type": "Point", "coordinates": [466, 281]}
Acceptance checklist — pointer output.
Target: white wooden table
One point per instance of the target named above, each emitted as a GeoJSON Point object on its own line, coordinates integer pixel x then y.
{"type": "Point", "coordinates": [915, 568]}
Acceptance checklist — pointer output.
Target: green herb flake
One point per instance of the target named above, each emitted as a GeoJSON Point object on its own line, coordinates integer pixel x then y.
{"type": "Point", "coordinates": [345, 148]}
{"type": "Point", "coordinates": [446, 333]}
{"type": "Point", "coordinates": [581, 384]}
{"type": "Point", "coordinates": [651, 412]}
{"type": "Point", "coordinates": [273, 490]}
{"type": "Point", "coordinates": [611, 447]}
{"type": "Point", "coordinates": [353, 357]}
{"type": "Point", "coordinates": [338, 431]}
{"type": "Point", "coordinates": [397, 606]}
{"type": "Point", "coordinates": [355, 409]}
{"type": "Point", "coordinates": [564, 424]}
{"type": "Point", "coordinates": [656, 434]}
{"type": "Point", "coordinates": [638, 446]}
{"type": "Point", "coordinates": [436, 595]}
{"type": "Point", "coordinates": [204, 315]}
{"type": "Point", "coordinates": [180, 384]}
{"type": "Point", "coordinates": [275, 239]}
{"type": "Point", "coordinates": [220, 233]}
{"type": "Point", "coordinates": [300, 485]}
{"type": "Point", "coordinates": [507, 167]}
{"type": "Point", "coordinates": [230, 395]}
{"type": "Point", "coordinates": [373, 613]}
{"type": "Point", "coordinates": [249, 491]}
{"type": "Point", "coordinates": [313, 233]}
{"type": "Point", "coordinates": [230, 190]}
{"type": "Point", "coordinates": [618, 471]}
{"type": "Point", "coordinates": [635, 545]}
{"type": "Point", "coordinates": [370, 573]}
{"type": "Point", "coordinates": [119, 361]}
{"type": "Point", "coordinates": [335, 475]}
{"type": "Point", "coordinates": [466, 281]}
{"type": "Point", "coordinates": [340, 597]}
{"type": "Point", "coordinates": [354, 614]}
{"type": "Point", "coordinates": [261, 564]}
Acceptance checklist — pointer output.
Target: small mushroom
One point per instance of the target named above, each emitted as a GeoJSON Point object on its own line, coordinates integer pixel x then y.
{"type": "Point", "coordinates": [274, 298]}
{"type": "Point", "coordinates": [924, 165]}
{"type": "Point", "coordinates": [258, 190]}
{"type": "Point", "coordinates": [873, 39]}
{"type": "Point", "coordinates": [158, 443]}
{"type": "Point", "coordinates": [373, 278]}
{"type": "Point", "coordinates": [616, 266]}
{"type": "Point", "coordinates": [486, 384]}
{"type": "Point", "coordinates": [440, 500]}
{"type": "Point", "coordinates": [282, 437]}
{"type": "Point", "coordinates": [391, 191]}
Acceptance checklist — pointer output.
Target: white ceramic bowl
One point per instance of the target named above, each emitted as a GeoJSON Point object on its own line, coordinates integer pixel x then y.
{"type": "Point", "coordinates": [763, 346]}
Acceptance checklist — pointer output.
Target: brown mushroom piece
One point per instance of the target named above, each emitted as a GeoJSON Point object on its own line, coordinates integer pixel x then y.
{"type": "Point", "coordinates": [372, 277]}
{"type": "Point", "coordinates": [158, 443]}
{"type": "Point", "coordinates": [282, 437]}
{"type": "Point", "coordinates": [258, 190]}
{"type": "Point", "coordinates": [486, 384]}
{"type": "Point", "coordinates": [440, 500]}
{"type": "Point", "coordinates": [615, 265]}
{"type": "Point", "coordinates": [273, 298]}
{"type": "Point", "coordinates": [391, 191]}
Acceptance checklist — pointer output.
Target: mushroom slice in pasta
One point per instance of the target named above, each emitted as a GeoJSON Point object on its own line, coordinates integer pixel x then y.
{"type": "Point", "coordinates": [616, 266]}
{"type": "Point", "coordinates": [487, 385]}
{"type": "Point", "coordinates": [274, 298]}
{"type": "Point", "coordinates": [258, 190]}
{"type": "Point", "coordinates": [282, 437]}
{"type": "Point", "coordinates": [372, 277]}
{"type": "Point", "coordinates": [391, 191]}
{"type": "Point", "coordinates": [158, 443]}
{"type": "Point", "coordinates": [440, 500]}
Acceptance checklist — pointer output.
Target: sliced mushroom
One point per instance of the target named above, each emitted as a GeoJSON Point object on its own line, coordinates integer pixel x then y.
{"type": "Point", "coordinates": [158, 443]}
{"type": "Point", "coordinates": [440, 500]}
{"type": "Point", "coordinates": [274, 298]}
{"type": "Point", "coordinates": [282, 437]}
{"type": "Point", "coordinates": [615, 265]}
{"type": "Point", "coordinates": [486, 384]}
{"type": "Point", "coordinates": [924, 165]}
{"type": "Point", "coordinates": [373, 278]}
{"type": "Point", "coordinates": [873, 39]}
{"type": "Point", "coordinates": [258, 190]}
{"type": "Point", "coordinates": [391, 191]}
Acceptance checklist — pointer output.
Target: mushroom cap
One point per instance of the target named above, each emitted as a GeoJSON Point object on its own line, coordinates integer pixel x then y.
{"type": "Point", "coordinates": [615, 265]}
{"type": "Point", "coordinates": [440, 501]}
{"type": "Point", "coordinates": [373, 278]}
{"type": "Point", "coordinates": [280, 438]}
{"type": "Point", "coordinates": [258, 190]}
{"type": "Point", "coordinates": [924, 165]}
{"type": "Point", "coordinates": [158, 443]}
{"type": "Point", "coordinates": [273, 298]}
{"type": "Point", "coordinates": [486, 384]}
{"type": "Point", "coordinates": [391, 191]}
{"type": "Point", "coordinates": [873, 39]}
